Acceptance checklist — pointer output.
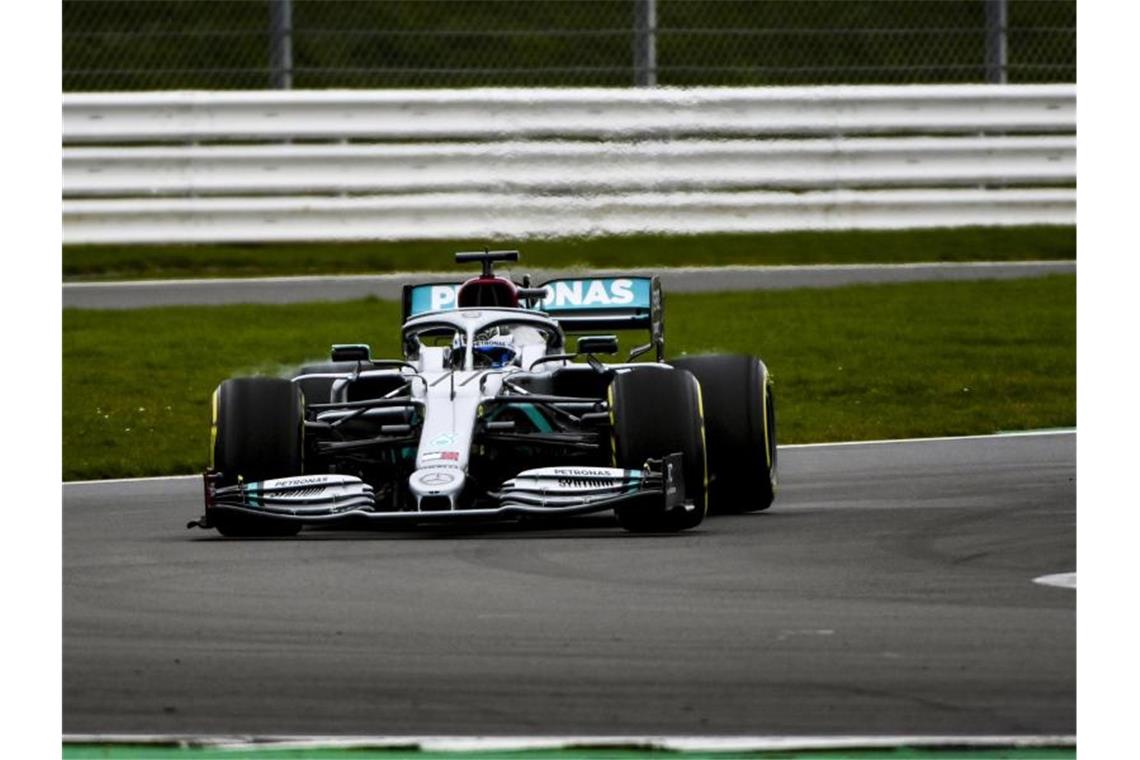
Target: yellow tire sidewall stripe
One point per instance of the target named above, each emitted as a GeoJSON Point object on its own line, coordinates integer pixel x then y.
{"type": "Point", "coordinates": [764, 419]}
{"type": "Point", "coordinates": [704, 445]}
{"type": "Point", "coordinates": [613, 425]}
{"type": "Point", "coordinates": [214, 401]}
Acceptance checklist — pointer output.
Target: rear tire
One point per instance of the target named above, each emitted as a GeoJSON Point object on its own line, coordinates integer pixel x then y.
{"type": "Point", "coordinates": [656, 412]}
{"type": "Point", "coordinates": [740, 422]}
{"type": "Point", "coordinates": [258, 434]}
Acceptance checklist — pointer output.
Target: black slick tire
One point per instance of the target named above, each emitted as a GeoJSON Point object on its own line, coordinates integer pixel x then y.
{"type": "Point", "coordinates": [740, 424]}
{"type": "Point", "coordinates": [258, 434]}
{"type": "Point", "coordinates": [655, 412]}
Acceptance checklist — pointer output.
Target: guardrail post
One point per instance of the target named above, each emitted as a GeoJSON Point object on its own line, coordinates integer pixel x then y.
{"type": "Point", "coordinates": [997, 14]}
{"type": "Point", "coordinates": [281, 44]}
{"type": "Point", "coordinates": [645, 43]}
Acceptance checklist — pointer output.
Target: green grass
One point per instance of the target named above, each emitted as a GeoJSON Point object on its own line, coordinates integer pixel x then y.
{"type": "Point", "coordinates": [847, 247]}
{"type": "Point", "coordinates": [269, 752]}
{"type": "Point", "coordinates": [852, 363]}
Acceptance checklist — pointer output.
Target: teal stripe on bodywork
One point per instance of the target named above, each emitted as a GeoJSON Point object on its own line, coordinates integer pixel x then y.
{"type": "Point", "coordinates": [634, 477]}
{"type": "Point", "coordinates": [537, 418]}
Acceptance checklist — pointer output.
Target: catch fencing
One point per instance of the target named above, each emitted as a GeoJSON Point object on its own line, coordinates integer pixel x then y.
{"type": "Point", "coordinates": [117, 45]}
{"type": "Point", "coordinates": [173, 167]}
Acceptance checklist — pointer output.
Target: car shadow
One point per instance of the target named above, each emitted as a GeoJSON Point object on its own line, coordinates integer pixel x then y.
{"type": "Point", "coordinates": [588, 526]}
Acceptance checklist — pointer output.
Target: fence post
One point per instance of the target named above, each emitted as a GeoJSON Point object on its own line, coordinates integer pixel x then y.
{"type": "Point", "coordinates": [997, 15]}
{"type": "Point", "coordinates": [645, 43]}
{"type": "Point", "coordinates": [281, 44]}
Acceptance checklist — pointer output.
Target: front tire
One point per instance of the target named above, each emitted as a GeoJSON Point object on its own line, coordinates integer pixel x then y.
{"type": "Point", "coordinates": [656, 412]}
{"type": "Point", "coordinates": [740, 421]}
{"type": "Point", "coordinates": [258, 434]}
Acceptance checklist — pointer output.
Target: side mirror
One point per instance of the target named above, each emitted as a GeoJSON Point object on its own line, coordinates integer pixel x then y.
{"type": "Point", "coordinates": [598, 344]}
{"type": "Point", "coordinates": [532, 296]}
{"type": "Point", "coordinates": [351, 352]}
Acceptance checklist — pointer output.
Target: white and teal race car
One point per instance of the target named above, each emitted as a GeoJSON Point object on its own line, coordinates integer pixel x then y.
{"type": "Point", "coordinates": [490, 415]}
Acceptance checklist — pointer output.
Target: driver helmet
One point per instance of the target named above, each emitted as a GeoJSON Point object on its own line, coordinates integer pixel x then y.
{"type": "Point", "coordinates": [495, 351]}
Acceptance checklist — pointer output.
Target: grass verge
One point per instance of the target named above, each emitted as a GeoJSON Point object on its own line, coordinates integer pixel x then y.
{"type": "Point", "coordinates": [840, 247]}
{"type": "Point", "coordinates": [269, 752]}
{"type": "Point", "coordinates": [855, 363]}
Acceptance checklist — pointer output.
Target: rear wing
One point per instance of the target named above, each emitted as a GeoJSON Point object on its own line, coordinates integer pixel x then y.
{"type": "Point", "coordinates": [582, 305]}
{"type": "Point", "coordinates": [578, 304]}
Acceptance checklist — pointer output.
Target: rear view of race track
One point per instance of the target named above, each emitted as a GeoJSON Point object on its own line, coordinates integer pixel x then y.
{"type": "Point", "coordinates": [890, 591]}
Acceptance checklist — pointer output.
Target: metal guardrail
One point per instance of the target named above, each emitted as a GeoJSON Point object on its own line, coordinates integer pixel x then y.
{"type": "Point", "coordinates": [569, 166]}
{"type": "Point", "coordinates": [195, 166]}
{"type": "Point", "coordinates": [491, 216]}
{"type": "Point", "coordinates": [598, 113]}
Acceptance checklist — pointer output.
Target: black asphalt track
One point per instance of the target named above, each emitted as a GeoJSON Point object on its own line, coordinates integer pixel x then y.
{"type": "Point", "coordinates": [145, 293]}
{"type": "Point", "coordinates": [889, 591]}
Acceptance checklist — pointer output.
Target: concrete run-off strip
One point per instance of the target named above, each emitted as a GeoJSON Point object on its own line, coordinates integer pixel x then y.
{"type": "Point", "coordinates": [279, 290]}
{"type": "Point", "coordinates": [580, 747]}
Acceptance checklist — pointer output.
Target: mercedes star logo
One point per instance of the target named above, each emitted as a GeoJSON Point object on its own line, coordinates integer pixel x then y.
{"type": "Point", "coordinates": [437, 478]}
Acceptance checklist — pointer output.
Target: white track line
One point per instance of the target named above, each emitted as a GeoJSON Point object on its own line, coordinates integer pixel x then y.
{"type": "Point", "coordinates": [1060, 580]}
{"type": "Point", "coordinates": [110, 481]}
{"type": "Point", "coordinates": [507, 744]}
{"type": "Point", "coordinates": [1014, 434]}
{"type": "Point", "coordinates": [1011, 434]}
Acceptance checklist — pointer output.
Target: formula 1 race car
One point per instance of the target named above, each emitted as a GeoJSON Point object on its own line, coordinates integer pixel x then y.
{"type": "Point", "coordinates": [488, 416]}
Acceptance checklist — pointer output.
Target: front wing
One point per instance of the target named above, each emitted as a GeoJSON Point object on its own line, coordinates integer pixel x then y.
{"type": "Point", "coordinates": [546, 492]}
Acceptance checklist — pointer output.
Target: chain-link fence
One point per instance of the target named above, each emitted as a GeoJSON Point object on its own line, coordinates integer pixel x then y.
{"type": "Point", "coordinates": [239, 44]}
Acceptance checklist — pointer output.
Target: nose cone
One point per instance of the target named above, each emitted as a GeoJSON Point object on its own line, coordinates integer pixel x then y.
{"type": "Point", "coordinates": [436, 484]}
